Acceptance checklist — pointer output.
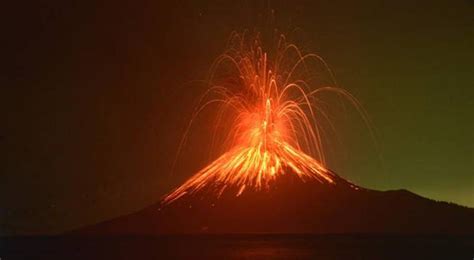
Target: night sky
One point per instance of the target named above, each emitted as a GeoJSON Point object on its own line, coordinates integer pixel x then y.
{"type": "Point", "coordinates": [95, 97]}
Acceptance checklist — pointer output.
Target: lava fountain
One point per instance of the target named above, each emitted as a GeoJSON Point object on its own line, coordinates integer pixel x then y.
{"type": "Point", "coordinates": [276, 117]}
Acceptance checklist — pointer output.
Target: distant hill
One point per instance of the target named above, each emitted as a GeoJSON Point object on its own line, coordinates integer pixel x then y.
{"type": "Point", "coordinates": [293, 206]}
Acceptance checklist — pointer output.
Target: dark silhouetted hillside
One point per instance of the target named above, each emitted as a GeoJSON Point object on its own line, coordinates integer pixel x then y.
{"type": "Point", "coordinates": [293, 206]}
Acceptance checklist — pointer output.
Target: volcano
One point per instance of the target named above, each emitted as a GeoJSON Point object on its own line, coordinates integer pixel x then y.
{"type": "Point", "coordinates": [293, 206]}
{"type": "Point", "coordinates": [272, 175]}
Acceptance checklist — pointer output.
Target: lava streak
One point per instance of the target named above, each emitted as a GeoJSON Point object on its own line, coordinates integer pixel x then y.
{"type": "Point", "coordinates": [275, 116]}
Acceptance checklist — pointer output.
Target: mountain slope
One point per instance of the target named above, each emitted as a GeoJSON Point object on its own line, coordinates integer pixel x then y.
{"type": "Point", "coordinates": [293, 206]}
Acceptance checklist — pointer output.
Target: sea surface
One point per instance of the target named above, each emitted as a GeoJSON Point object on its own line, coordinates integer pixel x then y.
{"type": "Point", "coordinates": [239, 247]}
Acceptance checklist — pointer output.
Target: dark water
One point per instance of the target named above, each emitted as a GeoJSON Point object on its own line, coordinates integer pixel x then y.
{"type": "Point", "coordinates": [238, 247]}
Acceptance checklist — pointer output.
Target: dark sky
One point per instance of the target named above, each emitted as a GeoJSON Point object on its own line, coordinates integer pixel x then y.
{"type": "Point", "coordinates": [95, 96]}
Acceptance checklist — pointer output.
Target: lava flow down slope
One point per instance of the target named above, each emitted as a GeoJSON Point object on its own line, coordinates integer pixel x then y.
{"type": "Point", "coordinates": [272, 175]}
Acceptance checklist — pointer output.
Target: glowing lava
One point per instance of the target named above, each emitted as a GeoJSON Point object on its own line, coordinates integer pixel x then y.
{"type": "Point", "coordinates": [276, 119]}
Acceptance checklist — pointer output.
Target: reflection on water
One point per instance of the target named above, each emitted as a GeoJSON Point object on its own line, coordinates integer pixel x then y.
{"type": "Point", "coordinates": [239, 247]}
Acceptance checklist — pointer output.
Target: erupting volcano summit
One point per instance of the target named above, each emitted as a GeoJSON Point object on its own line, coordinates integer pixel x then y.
{"type": "Point", "coordinates": [276, 117]}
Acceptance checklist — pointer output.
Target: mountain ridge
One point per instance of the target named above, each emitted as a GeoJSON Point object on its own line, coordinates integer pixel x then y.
{"type": "Point", "coordinates": [292, 206]}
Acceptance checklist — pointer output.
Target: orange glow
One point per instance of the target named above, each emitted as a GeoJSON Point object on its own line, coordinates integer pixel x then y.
{"type": "Point", "coordinates": [276, 118]}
